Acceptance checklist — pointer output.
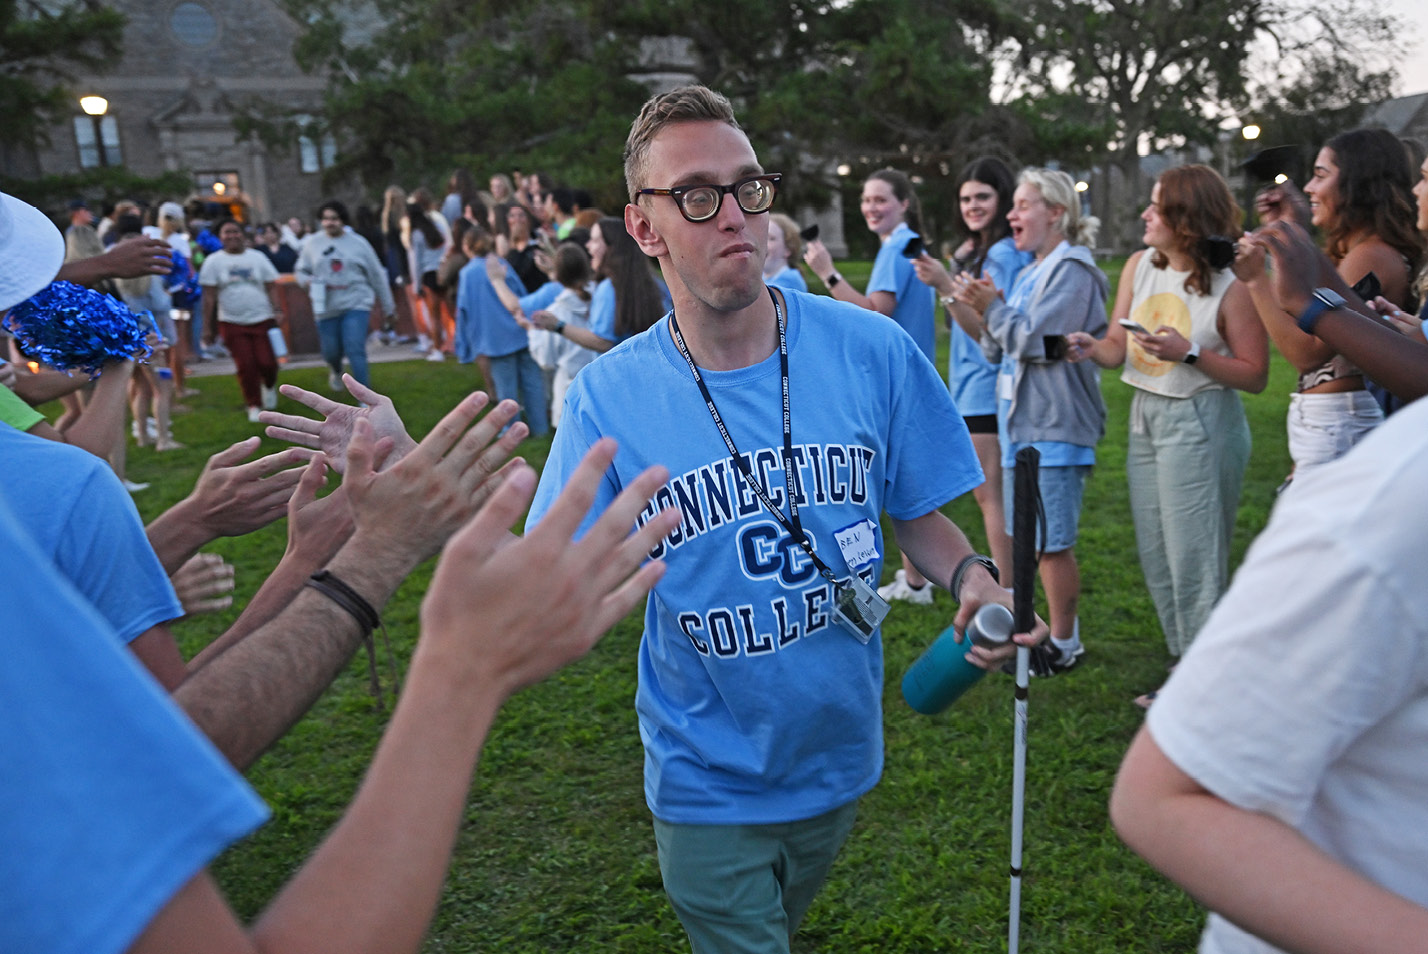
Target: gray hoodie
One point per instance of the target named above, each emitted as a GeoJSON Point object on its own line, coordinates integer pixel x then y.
{"type": "Point", "coordinates": [1053, 400]}
{"type": "Point", "coordinates": [350, 270]}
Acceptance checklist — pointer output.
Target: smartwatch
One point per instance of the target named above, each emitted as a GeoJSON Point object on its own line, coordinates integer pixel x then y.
{"type": "Point", "coordinates": [1193, 354]}
{"type": "Point", "coordinates": [560, 327]}
{"type": "Point", "coordinates": [1323, 299]}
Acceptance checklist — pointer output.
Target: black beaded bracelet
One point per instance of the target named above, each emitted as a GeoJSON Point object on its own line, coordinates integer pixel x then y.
{"type": "Point", "coordinates": [955, 588]}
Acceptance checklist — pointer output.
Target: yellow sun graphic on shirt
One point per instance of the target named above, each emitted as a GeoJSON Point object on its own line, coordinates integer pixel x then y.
{"type": "Point", "coordinates": [1156, 312]}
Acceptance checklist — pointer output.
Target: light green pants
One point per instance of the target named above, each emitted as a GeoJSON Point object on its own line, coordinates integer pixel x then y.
{"type": "Point", "coordinates": [1185, 466]}
{"type": "Point", "coordinates": [743, 889]}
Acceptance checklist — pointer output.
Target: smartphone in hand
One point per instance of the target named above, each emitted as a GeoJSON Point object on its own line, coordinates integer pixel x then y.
{"type": "Point", "coordinates": [1135, 326]}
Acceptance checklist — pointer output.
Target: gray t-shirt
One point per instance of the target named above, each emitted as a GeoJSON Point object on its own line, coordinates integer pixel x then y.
{"type": "Point", "coordinates": [240, 279]}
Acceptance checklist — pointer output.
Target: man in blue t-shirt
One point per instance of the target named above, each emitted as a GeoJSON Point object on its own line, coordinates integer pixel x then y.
{"type": "Point", "coordinates": [781, 417]}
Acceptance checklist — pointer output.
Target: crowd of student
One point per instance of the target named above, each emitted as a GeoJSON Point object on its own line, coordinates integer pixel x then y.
{"type": "Point", "coordinates": [528, 282]}
{"type": "Point", "coordinates": [1188, 328]}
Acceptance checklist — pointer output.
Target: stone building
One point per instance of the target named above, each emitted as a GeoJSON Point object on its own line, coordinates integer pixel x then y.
{"type": "Point", "coordinates": [187, 68]}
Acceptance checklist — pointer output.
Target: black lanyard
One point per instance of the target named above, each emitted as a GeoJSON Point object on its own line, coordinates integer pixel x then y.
{"type": "Point", "coordinates": [790, 523]}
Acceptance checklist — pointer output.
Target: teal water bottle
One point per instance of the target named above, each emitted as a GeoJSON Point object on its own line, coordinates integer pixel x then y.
{"type": "Point", "coordinates": [943, 673]}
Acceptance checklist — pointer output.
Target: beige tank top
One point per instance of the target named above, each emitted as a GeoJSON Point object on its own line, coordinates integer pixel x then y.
{"type": "Point", "coordinates": [1159, 299]}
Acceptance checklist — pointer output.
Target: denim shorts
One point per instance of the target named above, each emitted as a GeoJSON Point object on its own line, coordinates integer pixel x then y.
{"type": "Point", "coordinates": [1061, 491]}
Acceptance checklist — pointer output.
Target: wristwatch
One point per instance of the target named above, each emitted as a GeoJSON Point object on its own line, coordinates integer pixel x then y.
{"type": "Point", "coordinates": [832, 280]}
{"type": "Point", "coordinates": [560, 327]}
{"type": "Point", "coordinates": [1193, 354]}
{"type": "Point", "coordinates": [1324, 299]}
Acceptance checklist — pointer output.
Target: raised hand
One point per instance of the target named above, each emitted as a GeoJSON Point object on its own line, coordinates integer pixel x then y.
{"type": "Point", "coordinates": [232, 498]}
{"type": "Point", "coordinates": [413, 506]}
{"type": "Point", "coordinates": [204, 584]}
{"type": "Point", "coordinates": [332, 433]}
{"type": "Point", "coordinates": [488, 614]}
{"type": "Point", "coordinates": [931, 272]}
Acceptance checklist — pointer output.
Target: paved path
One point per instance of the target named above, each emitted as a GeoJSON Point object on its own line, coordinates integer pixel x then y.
{"type": "Point", "coordinates": [376, 354]}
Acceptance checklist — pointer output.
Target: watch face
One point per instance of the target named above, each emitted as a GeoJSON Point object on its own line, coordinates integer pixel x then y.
{"type": "Point", "coordinates": [1329, 297]}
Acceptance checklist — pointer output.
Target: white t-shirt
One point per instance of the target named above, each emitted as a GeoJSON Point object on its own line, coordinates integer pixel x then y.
{"type": "Point", "coordinates": [241, 279]}
{"type": "Point", "coordinates": [1305, 697]}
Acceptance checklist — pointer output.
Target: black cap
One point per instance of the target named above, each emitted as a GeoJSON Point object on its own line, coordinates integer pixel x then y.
{"type": "Point", "coordinates": [1269, 164]}
{"type": "Point", "coordinates": [76, 204]}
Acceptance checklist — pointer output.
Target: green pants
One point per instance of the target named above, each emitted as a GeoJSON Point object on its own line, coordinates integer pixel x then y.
{"type": "Point", "coordinates": [743, 889]}
{"type": "Point", "coordinates": [1185, 466]}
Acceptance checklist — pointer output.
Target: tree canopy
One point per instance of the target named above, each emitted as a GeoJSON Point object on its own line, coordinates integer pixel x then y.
{"type": "Point", "coordinates": [40, 45]}
{"type": "Point", "coordinates": [417, 87]}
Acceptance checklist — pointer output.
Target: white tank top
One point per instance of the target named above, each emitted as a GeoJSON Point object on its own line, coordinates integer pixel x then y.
{"type": "Point", "coordinates": [1159, 299]}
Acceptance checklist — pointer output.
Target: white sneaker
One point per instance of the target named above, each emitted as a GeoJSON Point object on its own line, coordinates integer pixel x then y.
{"type": "Point", "coordinates": [423, 344]}
{"type": "Point", "coordinates": [900, 589]}
{"type": "Point", "coordinates": [436, 354]}
{"type": "Point", "coordinates": [253, 413]}
{"type": "Point", "coordinates": [334, 382]}
{"type": "Point", "coordinates": [270, 397]}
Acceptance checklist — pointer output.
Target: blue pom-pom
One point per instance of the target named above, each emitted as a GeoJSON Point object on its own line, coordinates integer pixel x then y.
{"type": "Point", "coordinates": [68, 326]}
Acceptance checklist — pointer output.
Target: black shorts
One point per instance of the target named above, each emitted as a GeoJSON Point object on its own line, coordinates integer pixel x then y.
{"type": "Point", "coordinates": [981, 423]}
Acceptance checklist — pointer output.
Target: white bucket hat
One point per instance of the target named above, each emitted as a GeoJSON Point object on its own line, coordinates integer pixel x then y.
{"type": "Point", "coordinates": [31, 251]}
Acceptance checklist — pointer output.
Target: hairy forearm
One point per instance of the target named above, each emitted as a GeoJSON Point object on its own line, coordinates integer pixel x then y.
{"type": "Point", "coordinates": [278, 590]}
{"type": "Point", "coordinates": [245, 696]}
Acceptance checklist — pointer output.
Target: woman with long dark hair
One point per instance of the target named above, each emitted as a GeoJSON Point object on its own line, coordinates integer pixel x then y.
{"type": "Point", "coordinates": [1361, 198]}
{"type": "Point", "coordinates": [627, 300]}
{"type": "Point", "coordinates": [1189, 440]}
{"type": "Point", "coordinates": [986, 250]}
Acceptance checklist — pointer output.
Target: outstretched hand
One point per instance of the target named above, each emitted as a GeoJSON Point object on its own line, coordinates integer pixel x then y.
{"type": "Point", "coordinates": [412, 507]}
{"type": "Point", "coordinates": [509, 627]}
{"type": "Point", "coordinates": [318, 526]}
{"type": "Point", "coordinates": [204, 584]}
{"type": "Point", "coordinates": [232, 498]}
{"type": "Point", "coordinates": [332, 433]}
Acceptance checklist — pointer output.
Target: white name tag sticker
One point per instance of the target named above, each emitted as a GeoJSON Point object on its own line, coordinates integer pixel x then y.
{"type": "Point", "coordinates": [859, 543]}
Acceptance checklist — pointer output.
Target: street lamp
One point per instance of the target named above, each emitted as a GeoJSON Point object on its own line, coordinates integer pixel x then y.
{"type": "Point", "coordinates": [1251, 133]}
{"type": "Point", "coordinates": [95, 107]}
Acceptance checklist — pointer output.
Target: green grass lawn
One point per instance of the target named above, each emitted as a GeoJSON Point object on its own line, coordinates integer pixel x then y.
{"type": "Point", "coordinates": [556, 853]}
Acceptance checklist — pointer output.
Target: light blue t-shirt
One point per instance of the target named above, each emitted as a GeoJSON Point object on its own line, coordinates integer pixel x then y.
{"type": "Point", "coordinates": [602, 311]}
{"type": "Point", "coordinates": [893, 272]}
{"type": "Point", "coordinates": [602, 308]}
{"type": "Point", "coordinates": [483, 325]}
{"type": "Point", "coordinates": [970, 376]}
{"type": "Point", "coordinates": [790, 278]}
{"type": "Point", "coordinates": [112, 800]}
{"type": "Point", "coordinates": [1053, 453]}
{"type": "Point", "coordinates": [79, 515]}
{"type": "Point", "coordinates": [755, 706]}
